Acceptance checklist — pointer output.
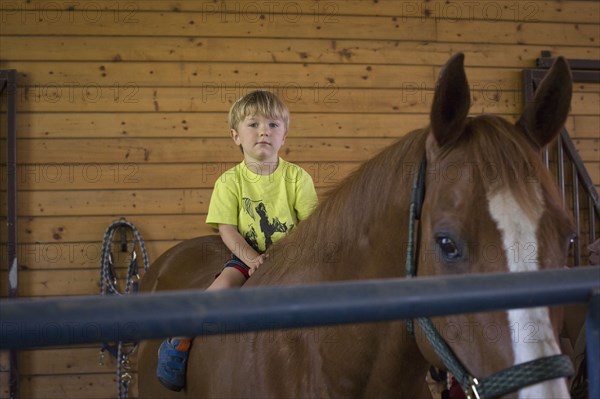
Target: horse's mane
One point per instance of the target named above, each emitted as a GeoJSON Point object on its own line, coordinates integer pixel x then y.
{"type": "Point", "coordinates": [340, 220]}
{"type": "Point", "coordinates": [501, 154]}
{"type": "Point", "coordinates": [368, 190]}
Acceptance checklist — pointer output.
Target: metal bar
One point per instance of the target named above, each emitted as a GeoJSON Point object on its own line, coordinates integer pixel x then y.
{"type": "Point", "coordinates": [11, 167]}
{"type": "Point", "coordinates": [591, 220]}
{"type": "Point", "coordinates": [10, 76]}
{"type": "Point", "coordinates": [546, 63]}
{"type": "Point", "coordinates": [560, 164]}
{"type": "Point", "coordinates": [586, 76]}
{"type": "Point", "coordinates": [577, 216]}
{"type": "Point", "coordinates": [74, 320]}
{"type": "Point", "coordinates": [11, 189]}
{"type": "Point", "coordinates": [584, 176]}
{"type": "Point", "coordinates": [592, 339]}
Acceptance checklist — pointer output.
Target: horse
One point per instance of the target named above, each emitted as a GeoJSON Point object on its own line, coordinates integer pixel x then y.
{"type": "Point", "coordinates": [488, 204]}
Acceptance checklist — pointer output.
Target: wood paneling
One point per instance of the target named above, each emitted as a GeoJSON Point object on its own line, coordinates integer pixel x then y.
{"type": "Point", "coordinates": [214, 25]}
{"type": "Point", "coordinates": [503, 10]}
{"type": "Point", "coordinates": [123, 108]}
{"type": "Point", "coordinates": [60, 176]}
{"type": "Point", "coordinates": [208, 125]}
{"type": "Point", "coordinates": [279, 50]}
{"type": "Point", "coordinates": [210, 98]}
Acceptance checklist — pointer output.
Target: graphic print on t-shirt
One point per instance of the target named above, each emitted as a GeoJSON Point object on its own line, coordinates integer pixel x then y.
{"type": "Point", "coordinates": [267, 226]}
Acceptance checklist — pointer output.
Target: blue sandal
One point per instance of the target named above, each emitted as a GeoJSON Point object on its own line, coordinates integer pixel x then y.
{"type": "Point", "coordinates": [172, 361]}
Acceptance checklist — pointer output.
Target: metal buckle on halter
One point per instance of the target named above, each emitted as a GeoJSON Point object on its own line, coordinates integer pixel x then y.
{"type": "Point", "coordinates": [471, 391]}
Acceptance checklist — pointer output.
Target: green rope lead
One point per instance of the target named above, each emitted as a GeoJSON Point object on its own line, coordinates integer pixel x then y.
{"type": "Point", "coordinates": [528, 373]}
{"type": "Point", "coordinates": [410, 260]}
{"type": "Point", "coordinates": [443, 351]}
{"type": "Point", "coordinates": [414, 214]}
{"type": "Point", "coordinates": [503, 382]}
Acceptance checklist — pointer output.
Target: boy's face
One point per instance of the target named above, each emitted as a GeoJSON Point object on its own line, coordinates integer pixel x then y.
{"type": "Point", "coordinates": [260, 138]}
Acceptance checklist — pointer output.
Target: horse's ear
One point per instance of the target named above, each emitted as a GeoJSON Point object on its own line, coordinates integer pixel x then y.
{"type": "Point", "coordinates": [451, 101]}
{"type": "Point", "coordinates": [544, 117]}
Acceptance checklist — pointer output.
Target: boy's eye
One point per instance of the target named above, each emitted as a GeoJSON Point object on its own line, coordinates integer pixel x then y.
{"type": "Point", "coordinates": [273, 124]}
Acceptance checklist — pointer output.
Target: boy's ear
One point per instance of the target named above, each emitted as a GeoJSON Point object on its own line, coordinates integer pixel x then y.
{"type": "Point", "coordinates": [235, 136]}
{"type": "Point", "coordinates": [236, 139]}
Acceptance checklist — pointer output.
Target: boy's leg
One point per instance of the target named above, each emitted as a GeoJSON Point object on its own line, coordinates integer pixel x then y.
{"type": "Point", "coordinates": [172, 360]}
{"type": "Point", "coordinates": [230, 277]}
{"type": "Point", "coordinates": [173, 352]}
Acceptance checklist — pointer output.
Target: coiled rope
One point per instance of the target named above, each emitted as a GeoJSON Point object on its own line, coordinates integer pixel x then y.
{"type": "Point", "coordinates": [109, 286]}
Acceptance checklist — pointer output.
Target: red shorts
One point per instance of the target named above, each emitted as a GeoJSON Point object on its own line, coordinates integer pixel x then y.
{"type": "Point", "coordinates": [237, 263]}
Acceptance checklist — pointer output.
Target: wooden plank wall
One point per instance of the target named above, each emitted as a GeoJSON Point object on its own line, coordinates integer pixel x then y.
{"type": "Point", "coordinates": [122, 112]}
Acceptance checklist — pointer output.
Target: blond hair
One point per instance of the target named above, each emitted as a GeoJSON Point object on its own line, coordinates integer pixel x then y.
{"type": "Point", "coordinates": [258, 102]}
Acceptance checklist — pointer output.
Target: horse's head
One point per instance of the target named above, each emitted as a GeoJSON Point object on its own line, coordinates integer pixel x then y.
{"type": "Point", "coordinates": [490, 205]}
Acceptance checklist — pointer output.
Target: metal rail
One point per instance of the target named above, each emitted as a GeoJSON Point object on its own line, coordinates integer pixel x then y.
{"type": "Point", "coordinates": [73, 320]}
{"type": "Point", "coordinates": [8, 87]}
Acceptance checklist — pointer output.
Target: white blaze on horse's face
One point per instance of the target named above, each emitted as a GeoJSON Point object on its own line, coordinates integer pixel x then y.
{"type": "Point", "coordinates": [519, 238]}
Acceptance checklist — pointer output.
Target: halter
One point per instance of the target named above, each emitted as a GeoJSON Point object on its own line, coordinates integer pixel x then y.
{"type": "Point", "coordinates": [501, 383]}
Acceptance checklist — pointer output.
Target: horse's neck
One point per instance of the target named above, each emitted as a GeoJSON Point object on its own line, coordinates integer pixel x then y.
{"type": "Point", "coordinates": [360, 231]}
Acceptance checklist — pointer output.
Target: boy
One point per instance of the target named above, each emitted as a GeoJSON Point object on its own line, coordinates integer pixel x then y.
{"type": "Point", "coordinates": [253, 205]}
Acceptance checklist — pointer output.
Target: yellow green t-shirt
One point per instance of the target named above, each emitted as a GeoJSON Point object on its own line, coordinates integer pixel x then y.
{"type": "Point", "coordinates": [263, 207]}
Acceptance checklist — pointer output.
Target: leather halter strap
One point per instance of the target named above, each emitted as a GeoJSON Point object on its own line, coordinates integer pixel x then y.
{"type": "Point", "coordinates": [503, 382]}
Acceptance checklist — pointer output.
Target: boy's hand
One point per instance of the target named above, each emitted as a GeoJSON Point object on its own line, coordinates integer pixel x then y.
{"type": "Point", "coordinates": [255, 263]}
{"type": "Point", "coordinates": [238, 245]}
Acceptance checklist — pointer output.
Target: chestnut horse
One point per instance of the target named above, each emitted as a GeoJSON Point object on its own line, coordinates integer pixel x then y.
{"type": "Point", "coordinates": [489, 205]}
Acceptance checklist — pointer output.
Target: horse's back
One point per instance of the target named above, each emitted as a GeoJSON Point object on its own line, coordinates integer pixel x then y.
{"type": "Point", "coordinates": [190, 264]}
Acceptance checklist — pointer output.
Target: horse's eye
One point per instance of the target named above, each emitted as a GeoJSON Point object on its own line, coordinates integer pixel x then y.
{"type": "Point", "coordinates": [448, 248]}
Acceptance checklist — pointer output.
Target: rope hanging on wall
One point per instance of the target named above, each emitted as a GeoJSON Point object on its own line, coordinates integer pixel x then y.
{"type": "Point", "coordinates": [109, 286]}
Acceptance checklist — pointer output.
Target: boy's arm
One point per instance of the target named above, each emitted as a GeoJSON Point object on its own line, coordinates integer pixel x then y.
{"type": "Point", "coordinates": [240, 248]}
